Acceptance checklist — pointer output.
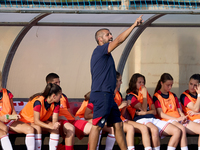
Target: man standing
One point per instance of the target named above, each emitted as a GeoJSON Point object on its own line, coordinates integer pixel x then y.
{"type": "Point", "coordinates": [103, 86]}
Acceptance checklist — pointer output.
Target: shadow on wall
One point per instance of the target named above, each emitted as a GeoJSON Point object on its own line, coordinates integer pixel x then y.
{"type": "Point", "coordinates": [189, 56]}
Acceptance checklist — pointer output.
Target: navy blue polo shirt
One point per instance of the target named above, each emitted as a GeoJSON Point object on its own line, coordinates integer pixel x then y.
{"type": "Point", "coordinates": [103, 70]}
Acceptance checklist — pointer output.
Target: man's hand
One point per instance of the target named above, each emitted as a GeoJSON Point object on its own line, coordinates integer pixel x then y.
{"type": "Point", "coordinates": [138, 21]}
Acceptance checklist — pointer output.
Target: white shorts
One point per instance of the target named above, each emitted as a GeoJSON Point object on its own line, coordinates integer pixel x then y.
{"type": "Point", "coordinates": [184, 124]}
{"type": "Point", "coordinates": [125, 120]}
{"type": "Point", "coordinates": [161, 125]}
{"type": "Point", "coordinates": [196, 120]}
{"type": "Point", "coordinates": [9, 123]}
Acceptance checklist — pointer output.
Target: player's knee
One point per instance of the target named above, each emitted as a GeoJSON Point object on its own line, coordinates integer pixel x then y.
{"type": "Point", "coordinates": [143, 129]}
{"type": "Point", "coordinates": [97, 128]}
{"type": "Point", "coordinates": [29, 130]}
{"type": "Point", "coordinates": [129, 128]}
{"type": "Point", "coordinates": [111, 130]}
{"type": "Point", "coordinates": [183, 130]}
{"type": "Point", "coordinates": [154, 131]}
{"type": "Point", "coordinates": [118, 125]}
{"type": "Point", "coordinates": [4, 129]}
{"type": "Point", "coordinates": [69, 126]}
{"type": "Point", "coordinates": [177, 132]}
{"type": "Point", "coordinates": [38, 129]}
{"type": "Point", "coordinates": [68, 129]}
{"type": "Point", "coordinates": [2, 133]}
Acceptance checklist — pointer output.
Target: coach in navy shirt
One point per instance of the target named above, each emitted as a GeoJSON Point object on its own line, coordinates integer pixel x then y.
{"type": "Point", "coordinates": [103, 70]}
{"type": "Point", "coordinates": [103, 85]}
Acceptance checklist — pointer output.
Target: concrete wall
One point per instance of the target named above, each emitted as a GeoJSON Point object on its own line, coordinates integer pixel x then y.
{"type": "Point", "coordinates": [7, 37]}
{"type": "Point", "coordinates": [160, 50]}
{"type": "Point", "coordinates": [67, 51]}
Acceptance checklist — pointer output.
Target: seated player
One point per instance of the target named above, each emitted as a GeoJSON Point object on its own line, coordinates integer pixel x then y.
{"type": "Point", "coordinates": [122, 105]}
{"type": "Point", "coordinates": [71, 124]}
{"type": "Point", "coordinates": [142, 110]}
{"type": "Point", "coordinates": [9, 121]}
{"type": "Point", "coordinates": [40, 109]}
{"type": "Point", "coordinates": [190, 99]}
{"type": "Point", "coordinates": [81, 111]}
{"type": "Point", "coordinates": [168, 109]}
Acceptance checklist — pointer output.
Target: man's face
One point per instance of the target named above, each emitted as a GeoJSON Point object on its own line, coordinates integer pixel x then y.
{"type": "Point", "coordinates": [56, 81]}
{"type": "Point", "coordinates": [107, 37]}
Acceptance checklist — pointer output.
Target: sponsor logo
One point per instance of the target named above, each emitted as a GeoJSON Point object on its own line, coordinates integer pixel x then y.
{"type": "Point", "coordinates": [102, 120]}
{"type": "Point", "coordinates": [170, 106]}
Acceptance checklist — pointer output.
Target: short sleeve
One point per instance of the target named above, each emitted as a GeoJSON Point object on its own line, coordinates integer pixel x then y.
{"type": "Point", "coordinates": [156, 102]}
{"type": "Point", "coordinates": [90, 106]}
{"type": "Point", "coordinates": [37, 106]}
{"type": "Point", "coordinates": [134, 101]}
{"type": "Point", "coordinates": [57, 107]}
{"type": "Point", "coordinates": [184, 100]}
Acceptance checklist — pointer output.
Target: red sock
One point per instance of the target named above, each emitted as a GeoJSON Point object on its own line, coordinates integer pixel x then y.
{"type": "Point", "coordinates": [69, 147]}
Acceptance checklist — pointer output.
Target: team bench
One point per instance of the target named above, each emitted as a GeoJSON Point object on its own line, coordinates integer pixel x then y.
{"type": "Point", "coordinates": [18, 143]}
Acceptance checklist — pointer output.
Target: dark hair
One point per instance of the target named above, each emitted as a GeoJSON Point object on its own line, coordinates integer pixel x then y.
{"type": "Point", "coordinates": [97, 34]}
{"type": "Point", "coordinates": [51, 76]}
{"type": "Point", "coordinates": [132, 84]}
{"type": "Point", "coordinates": [164, 77]}
{"type": "Point", "coordinates": [48, 91]}
{"type": "Point", "coordinates": [87, 96]}
{"type": "Point", "coordinates": [195, 77]}
{"type": "Point", "coordinates": [117, 74]}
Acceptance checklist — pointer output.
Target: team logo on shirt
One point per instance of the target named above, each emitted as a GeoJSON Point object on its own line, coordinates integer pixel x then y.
{"type": "Point", "coordinates": [61, 106]}
{"type": "Point", "coordinates": [0, 108]}
{"type": "Point", "coordinates": [170, 106]}
{"type": "Point", "coordinates": [102, 120]}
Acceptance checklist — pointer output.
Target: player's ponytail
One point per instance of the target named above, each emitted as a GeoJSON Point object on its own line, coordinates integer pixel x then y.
{"type": "Point", "coordinates": [164, 77]}
{"type": "Point", "coordinates": [48, 91]}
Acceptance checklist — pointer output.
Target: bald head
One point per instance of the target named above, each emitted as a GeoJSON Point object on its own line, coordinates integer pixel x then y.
{"type": "Point", "coordinates": [100, 33]}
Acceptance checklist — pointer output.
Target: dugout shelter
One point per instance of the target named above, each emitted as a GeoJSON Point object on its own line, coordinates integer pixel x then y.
{"type": "Point", "coordinates": [35, 41]}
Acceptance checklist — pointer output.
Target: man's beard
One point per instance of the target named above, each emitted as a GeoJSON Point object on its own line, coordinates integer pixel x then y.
{"type": "Point", "coordinates": [110, 40]}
